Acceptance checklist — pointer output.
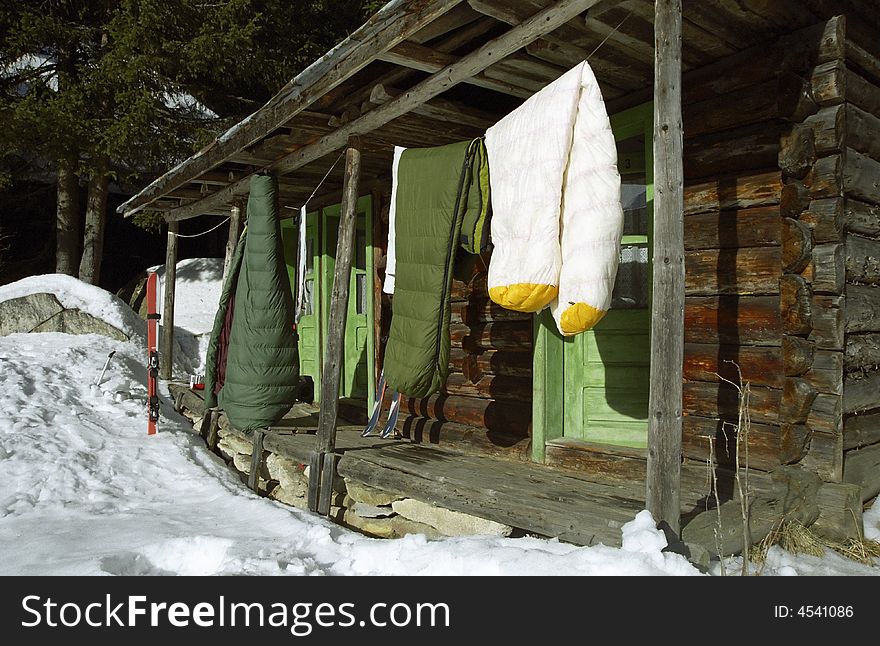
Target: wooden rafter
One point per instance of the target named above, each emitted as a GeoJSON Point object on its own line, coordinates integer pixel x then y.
{"type": "Point", "coordinates": [453, 74]}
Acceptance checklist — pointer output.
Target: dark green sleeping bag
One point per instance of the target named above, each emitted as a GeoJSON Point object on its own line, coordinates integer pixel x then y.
{"type": "Point", "coordinates": [437, 189]}
{"type": "Point", "coordinates": [253, 364]}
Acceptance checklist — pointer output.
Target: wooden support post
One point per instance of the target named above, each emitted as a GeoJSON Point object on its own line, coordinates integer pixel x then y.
{"type": "Point", "coordinates": [167, 355]}
{"type": "Point", "coordinates": [321, 479]}
{"type": "Point", "coordinates": [256, 461]}
{"type": "Point", "coordinates": [232, 241]}
{"type": "Point", "coordinates": [667, 320]}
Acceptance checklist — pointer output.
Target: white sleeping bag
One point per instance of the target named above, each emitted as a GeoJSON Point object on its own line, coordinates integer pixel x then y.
{"type": "Point", "coordinates": [390, 261]}
{"type": "Point", "coordinates": [556, 214]}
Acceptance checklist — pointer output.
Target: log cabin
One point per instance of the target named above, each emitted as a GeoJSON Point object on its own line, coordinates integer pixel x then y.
{"type": "Point", "coordinates": [748, 135]}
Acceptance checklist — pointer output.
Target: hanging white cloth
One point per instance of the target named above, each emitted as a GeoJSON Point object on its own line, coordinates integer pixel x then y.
{"type": "Point", "coordinates": [557, 220]}
{"type": "Point", "coordinates": [301, 266]}
{"type": "Point", "coordinates": [390, 263]}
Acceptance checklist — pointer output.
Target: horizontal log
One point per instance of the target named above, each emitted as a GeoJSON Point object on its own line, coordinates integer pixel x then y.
{"type": "Point", "coordinates": [826, 414]}
{"type": "Point", "coordinates": [862, 131]}
{"type": "Point", "coordinates": [509, 417]}
{"type": "Point", "coordinates": [787, 97]}
{"type": "Point", "coordinates": [797, 245]}
{"type": "Point", "coordinates": [840, 512]}
{"type": "Point", "coordinates": [797, 355]}
{"type": "Point", "coordinates": [795, 304]}
{"type": "Point", "coordinates": [510, 363]}
{"type": "Point", "coordinates": [757, 227]}
{"type": "Point", "coordinates": [733, 320]}
{"type": "Point", "coordinates": [861, 218]}
{"type": "Point", "coordinates": [862, 308]}
{"type": "Point", "coordinates": [466, 439]}
{"type": "Point", "coordinates": [502, 335]}
{"type": "Point", "coordinates": [862, 259]}
{"type": "Point", "coordinates": [829, 129]}
{"type": "Point", "coordinates": [861, 177]}
{"type": "Point", "coordinates": [826, 372]}
{"type": "Point", "coordinates": [733, 192]}
{"type": "Point", "coordinates": [750, 270]}
{"type": "Point", "coordinates": [862, 467]}
{"type": "Point", "coordinates": [827, 316]}
{"type": "Point", "coordinates": [797, 399]}
{"type": "Point", "coordinates": [862, 351]}
{"type": "Point", "coordinates": [490, 387]}
{"type": "Point", "coordinates": [862, 93]}
{"type": "Point", "coordinates": [825, 179]}
{"type": "Point", "coordinates": [861, 430]}
{"type": "Point", "coordinates": [828, 83]}
{"type": "Point", "coordinates": [598, 460]}
{"type": "Point", "coordinates": [750, 148]}
{"type": "Point", "coordinates": [761, 366]}
{"type": "Point", "coordinates": [721, 400]}
{"type": "Point", "coordinates": [794, 199]}
{"type": "Point", "coordinates": [479, 310]}
{"type": "Point", "coordinates": [797, 150]}
{"type": "Point", "coordinates": [861, 392]}
{"type": "Point", "coordinates": [768, 446]}
{"type": "Point", "coordinates": [825, 456]}
{"type": "Point", "coordinates": [828, 269]}
{"type": "Point", "coordinates": [825, 219]}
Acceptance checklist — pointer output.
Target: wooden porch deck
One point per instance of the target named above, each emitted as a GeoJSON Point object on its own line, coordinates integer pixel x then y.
{"type": "Point", "coordinates": [575, 506]}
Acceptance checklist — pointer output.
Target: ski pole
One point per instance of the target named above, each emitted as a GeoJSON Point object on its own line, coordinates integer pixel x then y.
{"type": "Point", "coordinates": [106, 363]}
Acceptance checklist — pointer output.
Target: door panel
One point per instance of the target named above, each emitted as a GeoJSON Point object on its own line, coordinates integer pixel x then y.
{"type": "Point", "coordinates": [604, 372]}
{"type": "Point", "coordinates": [357, 366]}
{"type": "Point", "coordinates": [307, 327]}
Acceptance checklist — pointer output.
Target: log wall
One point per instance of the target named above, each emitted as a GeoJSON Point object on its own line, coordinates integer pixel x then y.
{"type": "Point", "coordinates": [853, 137]}
{"type": "Point", "coordinates": [766, 251]}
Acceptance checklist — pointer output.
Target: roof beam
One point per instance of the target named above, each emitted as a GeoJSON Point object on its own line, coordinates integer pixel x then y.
{"type": "Point", "coordinates": [394, 23]}
{"type": "Point", "coordinates": [424, 59]}
{"type": "Point", "coordinates": [453, 74]}
{"type": "Point", "coordinates": [439, 109]}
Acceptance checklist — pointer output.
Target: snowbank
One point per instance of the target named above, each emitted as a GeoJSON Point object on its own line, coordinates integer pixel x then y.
{"type": "Point", "coordinates": [75, 294]}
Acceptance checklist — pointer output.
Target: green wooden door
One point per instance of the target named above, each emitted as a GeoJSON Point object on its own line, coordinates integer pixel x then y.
{"type": "Point", "coordinates": [595, 385]}
{"type": "Point", "coordinates": [308, 329]}
{"type": "Point", "coordinates": [357, 369]}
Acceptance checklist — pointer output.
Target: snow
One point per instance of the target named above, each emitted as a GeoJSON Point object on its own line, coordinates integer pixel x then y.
{"type": "Point", "coordinates": [85, 491]}
{"type": "Point", "coordinates": [196, 298]}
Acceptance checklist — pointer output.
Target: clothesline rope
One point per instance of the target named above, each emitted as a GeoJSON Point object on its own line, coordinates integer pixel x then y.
{"type": "Point", "coordinates": [610, 34]}
{"type": "Point", "coordinates": [196, 235]}
{"type": "Point", "coordinates": [321, 183]}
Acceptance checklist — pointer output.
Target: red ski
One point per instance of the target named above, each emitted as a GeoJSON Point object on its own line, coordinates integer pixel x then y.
{"type": "Point", "coordinates": [152, 355]}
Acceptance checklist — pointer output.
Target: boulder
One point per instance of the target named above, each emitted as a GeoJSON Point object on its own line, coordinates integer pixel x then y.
{"type": "Point", "coordinates": [371, 511]}
{"type": "Point", "coordinates": [231, 443]}
{"type": "Point", "coordinates": [375, 527]}
{"type": "Point", "coordinates": [403, 526]}
{"type": "Point", "coordinates": [25, 313]}
{"type": "Point", "coordinates": [77, 322]}
{"type": "Point", "coordinates": [450, 523]}
{"type": "Point", "coordinates": [370, 495]}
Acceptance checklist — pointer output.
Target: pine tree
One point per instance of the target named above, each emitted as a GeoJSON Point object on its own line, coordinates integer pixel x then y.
{"type": "Point", "coordinates": [116, 89]}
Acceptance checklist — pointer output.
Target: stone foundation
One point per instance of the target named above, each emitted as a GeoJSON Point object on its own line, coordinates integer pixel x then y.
{"type": "Point", "coordinates": [371, 511]}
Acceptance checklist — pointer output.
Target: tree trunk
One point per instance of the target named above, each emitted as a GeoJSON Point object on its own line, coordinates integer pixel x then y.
{"type": "Point", "coordinates": [67, 219]}
{"type": "Point", "coordinates": [96, 217]}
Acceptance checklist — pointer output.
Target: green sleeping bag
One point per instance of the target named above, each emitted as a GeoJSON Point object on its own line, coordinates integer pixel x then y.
{"type": "Point", "coordinates": [438, 189]}
{"type": "Point", "coordinates": [252, 369]}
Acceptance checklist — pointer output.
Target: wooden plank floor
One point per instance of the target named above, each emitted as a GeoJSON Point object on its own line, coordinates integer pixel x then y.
{"type": "Point", "coordinates": [575, 506]}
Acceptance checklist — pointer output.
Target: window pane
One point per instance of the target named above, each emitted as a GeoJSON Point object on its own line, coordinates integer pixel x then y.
{"type": "Point", "coordinates": [361, 293]}
{"type": "Point", "coordinates": [308, 286]}
{"type": "Point", "coordinates": [631, 284]}
{"type": "Point", "coordinates": [360, 245]}
{"type": "Point", "coordinates": [310, 255]}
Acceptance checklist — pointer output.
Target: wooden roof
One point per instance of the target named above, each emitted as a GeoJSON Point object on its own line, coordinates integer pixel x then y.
{"type": "Point", "coordinates": [428, 72]}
